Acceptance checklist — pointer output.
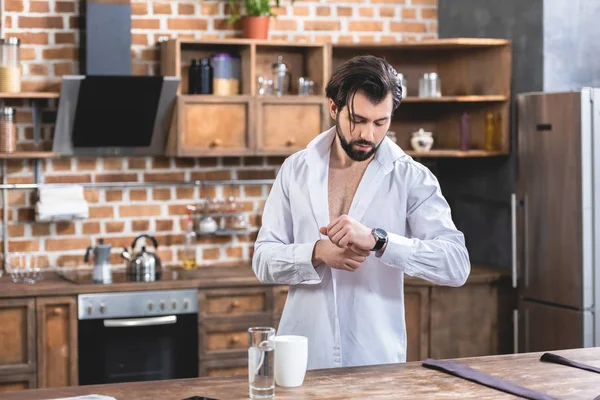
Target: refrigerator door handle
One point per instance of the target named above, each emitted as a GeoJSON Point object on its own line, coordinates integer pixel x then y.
{"type": "Point", "coordinates": [516, 331]}
{"type": "Point", "coordinates": [513, 217]}
{"type": "Point", "coordinates": [525, 241]}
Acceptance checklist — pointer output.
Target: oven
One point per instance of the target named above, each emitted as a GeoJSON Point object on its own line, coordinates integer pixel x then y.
{"type": "Point", "coordinates": [137, 336]}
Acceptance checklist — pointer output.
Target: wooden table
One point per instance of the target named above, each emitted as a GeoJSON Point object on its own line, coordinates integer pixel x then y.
{"type": "Point", "coordinates": [395, 381]}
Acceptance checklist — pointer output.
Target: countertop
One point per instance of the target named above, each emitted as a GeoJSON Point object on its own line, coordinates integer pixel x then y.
{"type": "Point", "coordinates": [393, 381]}
{"type": "Point", "coordinates": [202, 278]}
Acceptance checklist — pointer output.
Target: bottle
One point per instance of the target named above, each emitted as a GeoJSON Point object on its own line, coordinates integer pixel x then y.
{"type": "Point", "coordinates": [189, 250]}
{"type": "Point", "coordinates": [489, 132]}
{"type": "Point", "coordinates": [205, 77]}
{"type": "Point", "coordinates": [465, 131]}
{"type": "Point", "coordinates": [193, 73]}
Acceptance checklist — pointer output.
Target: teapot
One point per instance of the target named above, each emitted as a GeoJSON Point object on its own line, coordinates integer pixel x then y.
{"type": "Point", "coordinates": [144, 266]}
{"type": "Point", "coordinates": [101, 252]}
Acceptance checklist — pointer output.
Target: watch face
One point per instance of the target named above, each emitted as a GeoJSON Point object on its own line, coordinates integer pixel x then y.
{"type": "Point", "coordinates": [380, 233]}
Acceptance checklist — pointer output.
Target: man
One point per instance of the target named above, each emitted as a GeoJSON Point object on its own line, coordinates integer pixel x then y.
{"type": "Point", "coordinates": [346, 218]}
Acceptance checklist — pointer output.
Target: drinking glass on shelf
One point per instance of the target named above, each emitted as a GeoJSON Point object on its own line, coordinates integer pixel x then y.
{"type": "Point", "coordinates": [261, 360]}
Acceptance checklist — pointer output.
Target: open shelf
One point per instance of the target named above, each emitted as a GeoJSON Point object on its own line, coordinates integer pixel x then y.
{"type": "Point", "coordinates": [455, 99]}
{"type": "Point", "coordinates": [30, 95]}
{"type": "Point", "coordinates": [441, 153]}
{"type": "Point", "coordinates": [28, 155]}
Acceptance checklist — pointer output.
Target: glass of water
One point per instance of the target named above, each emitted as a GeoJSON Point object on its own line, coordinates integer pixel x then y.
{"type": "Point", "coordinates": [261, 359]}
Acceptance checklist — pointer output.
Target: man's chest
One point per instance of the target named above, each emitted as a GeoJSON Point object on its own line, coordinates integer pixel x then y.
{"type": "Point", "coordinates": [342, 187]}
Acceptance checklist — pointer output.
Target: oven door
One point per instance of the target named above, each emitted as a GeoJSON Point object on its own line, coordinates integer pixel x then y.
{"type": "Point", "coordinates": [138, 349]}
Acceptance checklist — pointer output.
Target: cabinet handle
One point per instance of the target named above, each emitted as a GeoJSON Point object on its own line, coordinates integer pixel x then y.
{"type": "Point", "coordinates": [234, 340]}
{"type": "Point", "coordinates": [235, 304]}
{"type": "Point", "coordinates": [290, 142]}
{"type": "Point", "coordinates": [57, 312]}
{"type": "Point", "coordinates": [215, 143]}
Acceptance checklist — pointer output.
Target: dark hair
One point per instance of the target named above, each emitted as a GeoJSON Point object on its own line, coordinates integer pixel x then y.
{"type": "Point", "coordinates": [373, 75]}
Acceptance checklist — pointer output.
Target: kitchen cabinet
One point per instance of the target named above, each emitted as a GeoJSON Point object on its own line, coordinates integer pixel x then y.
{"type": "Point", "coordinates": [57, 341]}
{"type": "Point", "coordinates": [38, 333]}
{"type": "Point", "coordinates": [17, 337]}
{"type": "Point", "coordinates": [11, 383]}
{"type": "Point", "coordinates": [417, 314]}
{"type": "Point", "coordinates": [287, 124]}
{"type": "Point", "coordinates": [212, 126]}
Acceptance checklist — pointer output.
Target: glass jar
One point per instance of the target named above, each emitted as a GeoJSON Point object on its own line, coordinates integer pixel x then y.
{"type": "Point", "coordinates": [10, 65]}
{"type": "Point", "coordinates": [226, 74]}
{"type": "Point", "coordinates": [281, 77]}
{"type": "Point", "coordinates": [402, 80]}
{"type": "Point", "coordinates": [8, 130]}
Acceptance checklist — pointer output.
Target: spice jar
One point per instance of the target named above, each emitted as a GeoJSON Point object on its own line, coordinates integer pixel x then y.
{"type": "Point", "coordinates": [10, 65]}
{"type": "Point", "coordinates": [226, 74]}
{"type": "Point", "coordinates": [8, 130]}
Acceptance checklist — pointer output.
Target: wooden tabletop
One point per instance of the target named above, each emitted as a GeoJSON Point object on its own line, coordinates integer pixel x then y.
{"type": "Point", "coordinates": [394, 381]}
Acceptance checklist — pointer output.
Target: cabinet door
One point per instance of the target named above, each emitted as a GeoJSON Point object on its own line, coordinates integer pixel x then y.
{"type": "Point", "coordinates": [287, 124]}
{"type": "Point", "coordinates": [464, 321]}
{"type": "Point", "coordinates": [57, 341]}
{"type": "Point", "coordinates": [221, 368]}
{"type": "Point", "coordinates": [212, 126]}
{"type": "Point", "coordinates": [17, 336]}
{"type": "Point", "coordinates": [416, 314]}
{"type": "Point", "coordinates": [13, 383]}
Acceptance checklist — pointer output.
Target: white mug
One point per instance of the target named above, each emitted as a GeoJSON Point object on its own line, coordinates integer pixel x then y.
{"type": "Point", "coordinates": [291, 360]}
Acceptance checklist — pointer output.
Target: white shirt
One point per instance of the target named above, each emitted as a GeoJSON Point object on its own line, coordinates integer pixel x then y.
{"type": "Point", "coordinates": [356, 318]}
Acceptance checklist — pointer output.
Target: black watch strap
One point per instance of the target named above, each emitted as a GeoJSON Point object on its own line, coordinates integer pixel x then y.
{"type": "Point", "coordinates": [380, 238]}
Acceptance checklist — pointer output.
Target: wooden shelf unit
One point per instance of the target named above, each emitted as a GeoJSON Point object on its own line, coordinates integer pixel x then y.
{"type": "Point", "coordinates": [30, 95]}
{"type": "Point", "coordinates": [247, 124]}
{"type": "Point", "coordinates": [28, 155]}
{"type": "Point", "coordinates": [475, 78]}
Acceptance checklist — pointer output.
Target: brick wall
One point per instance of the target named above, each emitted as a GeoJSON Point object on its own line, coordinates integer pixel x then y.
{"type": "Point", "coordinates": [49, 34]}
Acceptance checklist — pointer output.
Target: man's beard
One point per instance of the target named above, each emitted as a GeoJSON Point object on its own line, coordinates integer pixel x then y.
{"type": "Point", "coordinates": [355, 154]}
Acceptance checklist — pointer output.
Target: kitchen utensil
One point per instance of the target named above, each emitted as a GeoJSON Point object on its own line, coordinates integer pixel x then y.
{"type": "Point", "coordinates": [306, 86]}
{"type": "Point", "coordinates": [144, 266]}
{"type": "Point", "coordinates": [430, 85]}
{"type": "Point", "coordinates": [10, 65]}
{"type": "Point", "coordinates": [265, 86]}
{"type": "Point", "coordinates": [402, 80]}
{"type": "Point", "coordinates": [226, 74]}
{"type": "Point", "coordinates": [281, 77]}
{"type": "Point", "coordinates": [421, 141]}
{"type": "Point", "coordinates": [291, 360]}
{"type": "Point", "coordinates": [261, 362]}
{"type": "Point", "coordinates": [23, 268]}
{"type": "Point", "coordinates": [101, 251]}
{"type": "Point", "coordinates": [8, 130]}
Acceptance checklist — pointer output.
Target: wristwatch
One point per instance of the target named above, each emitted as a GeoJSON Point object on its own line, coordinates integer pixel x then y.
{"type": "Point", "coordinates": [381, 238]}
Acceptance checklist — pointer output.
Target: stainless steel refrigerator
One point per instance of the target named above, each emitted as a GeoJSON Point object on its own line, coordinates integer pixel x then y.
{"type": "Point", "coordinates": [556, 221]}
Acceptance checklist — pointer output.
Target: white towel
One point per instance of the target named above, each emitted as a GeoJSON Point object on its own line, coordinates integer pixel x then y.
{"type": "Point", "coordinates": [61, 204]}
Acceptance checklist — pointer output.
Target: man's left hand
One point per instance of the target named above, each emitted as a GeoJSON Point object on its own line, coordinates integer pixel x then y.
{"type": "Point", "coordinates": [346, 232]}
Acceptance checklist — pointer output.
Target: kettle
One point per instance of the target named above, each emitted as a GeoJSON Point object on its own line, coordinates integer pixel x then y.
{"type": "Point", "coordinates": [144, 266]}
{"type": "Point", "coordinates": [102, 273]}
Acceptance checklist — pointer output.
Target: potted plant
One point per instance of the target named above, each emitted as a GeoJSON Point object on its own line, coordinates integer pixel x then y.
{"type": "Point", "coordinates": [255, 21]}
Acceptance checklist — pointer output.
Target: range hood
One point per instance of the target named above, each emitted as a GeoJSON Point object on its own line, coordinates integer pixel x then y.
{"type": "Point", "coordinates": [107, 111]}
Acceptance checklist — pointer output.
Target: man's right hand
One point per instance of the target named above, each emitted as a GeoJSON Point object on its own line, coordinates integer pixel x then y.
{"type": "Point", "coordinates": [339, 258]}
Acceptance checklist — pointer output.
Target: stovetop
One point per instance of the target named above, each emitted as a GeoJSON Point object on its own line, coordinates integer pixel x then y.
{"type": "Point", "coordinates": [84, 277]}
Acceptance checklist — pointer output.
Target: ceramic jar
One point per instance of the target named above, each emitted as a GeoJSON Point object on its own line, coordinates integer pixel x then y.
{"type": "Point", "coordinates": [421, 141]}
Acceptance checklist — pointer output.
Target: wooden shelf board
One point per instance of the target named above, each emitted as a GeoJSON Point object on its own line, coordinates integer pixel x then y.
{"type": "Point", "coordinates": [455, 99]}
{"type": "Point", "coordinates": [30, 95]}
{"type": "Point", "coordinates": [433, 44]}
{"type": "Point", "coordinates": [247, 42]}
{"type": "Point", "coordinates": [455, 153]}
{"type": "Point", "coordinates": [27, 155]}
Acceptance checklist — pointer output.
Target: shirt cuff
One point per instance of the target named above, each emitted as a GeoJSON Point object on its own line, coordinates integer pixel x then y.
{"type": "Point", "coordinates": [303, 262]}
{"type": "Point", "coordinates": [398, 251]}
